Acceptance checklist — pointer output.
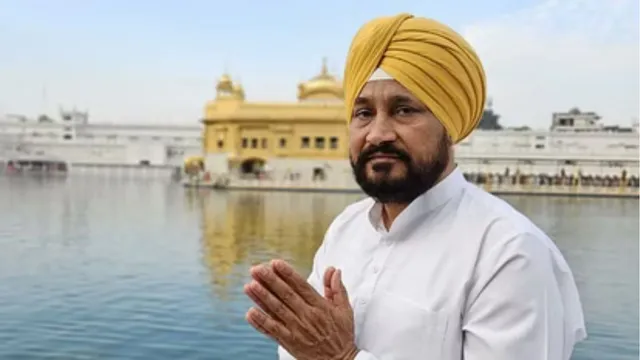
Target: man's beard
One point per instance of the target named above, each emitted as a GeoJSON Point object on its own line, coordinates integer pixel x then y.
{"type": "Point", "coordinates": [418, 177]}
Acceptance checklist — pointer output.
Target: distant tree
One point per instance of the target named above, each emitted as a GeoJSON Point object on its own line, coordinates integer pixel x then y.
{"type": "Point", "coordinates": [489, 121]}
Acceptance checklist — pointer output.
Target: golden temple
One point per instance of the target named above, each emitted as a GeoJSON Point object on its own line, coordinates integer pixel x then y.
{"type": "Point", "coordinates": [314, 127]}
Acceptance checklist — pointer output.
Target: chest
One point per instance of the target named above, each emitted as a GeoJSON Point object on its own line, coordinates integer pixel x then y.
{"type": "Point", "coordinates": [409, 294]}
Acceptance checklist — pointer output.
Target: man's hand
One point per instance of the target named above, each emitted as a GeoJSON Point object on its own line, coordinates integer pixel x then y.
{"type": "Point", "coordinates": [303, 322]}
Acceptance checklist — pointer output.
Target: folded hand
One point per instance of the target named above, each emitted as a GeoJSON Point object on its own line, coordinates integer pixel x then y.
{"type": "Point", "coordinates": [303, 322]}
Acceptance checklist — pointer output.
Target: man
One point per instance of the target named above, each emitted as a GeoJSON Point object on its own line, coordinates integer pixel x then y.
{"type": "Point", "coordinates": [429, 266]}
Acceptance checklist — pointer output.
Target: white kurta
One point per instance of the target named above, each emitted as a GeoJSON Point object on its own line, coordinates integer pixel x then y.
{"type": "Point", "coordinates": [459, 275]}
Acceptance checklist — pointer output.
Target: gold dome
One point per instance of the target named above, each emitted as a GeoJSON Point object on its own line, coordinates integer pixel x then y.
{"type": "Point", "coordinates": [321, 87]}
{"type": "Point", "coordinates": [226, 89]}
{"type": "Point", "coordinates": [224, 83]}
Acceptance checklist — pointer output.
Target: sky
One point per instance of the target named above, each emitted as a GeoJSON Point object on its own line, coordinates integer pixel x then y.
{"type": "Point", "coordinates": [149, 62]}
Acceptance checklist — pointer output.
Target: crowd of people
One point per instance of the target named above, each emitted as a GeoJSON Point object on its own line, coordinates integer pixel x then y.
{"type": "Point", "coordinates": [561, 179]}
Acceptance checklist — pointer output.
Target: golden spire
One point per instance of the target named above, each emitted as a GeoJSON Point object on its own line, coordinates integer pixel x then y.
{"type": "Point", "coordinates": [227, 89]}
{"type": "Point", "coordinates": [224, 82]}
{"type": "Point", "coordinates": [323, 86]}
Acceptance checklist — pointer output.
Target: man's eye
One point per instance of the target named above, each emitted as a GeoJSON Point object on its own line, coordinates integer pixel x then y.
{"type": "Point", "coordinates": [362, 113]}
{"type": "Point", "coordinates": [405, 110]}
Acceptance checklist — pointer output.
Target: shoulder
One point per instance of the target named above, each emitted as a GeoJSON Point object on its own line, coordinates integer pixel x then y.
{"type": "Point", "coordinates": [506, 233]}
{"type": "Point", "coordinates": [499, 220]}
{"type": "Point", "coordinates": [510, 239]}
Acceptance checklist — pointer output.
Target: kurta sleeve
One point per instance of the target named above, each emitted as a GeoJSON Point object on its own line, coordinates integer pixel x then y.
{"type": "Point", "coordinates": [523, 304]}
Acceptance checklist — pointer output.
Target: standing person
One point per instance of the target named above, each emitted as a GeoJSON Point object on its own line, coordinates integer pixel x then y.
{"type": "Point", "coordinates": [428, 266]}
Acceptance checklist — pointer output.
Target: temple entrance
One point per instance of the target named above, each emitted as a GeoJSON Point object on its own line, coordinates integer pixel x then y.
{"type": "Point", "coordinates": [252, 167]}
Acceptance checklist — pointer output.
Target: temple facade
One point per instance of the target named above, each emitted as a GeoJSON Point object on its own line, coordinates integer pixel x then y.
{"type": "Point", "coordinates": [253, 133]}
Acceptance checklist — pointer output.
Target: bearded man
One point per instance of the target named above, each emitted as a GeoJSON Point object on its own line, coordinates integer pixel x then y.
{"type": "Point", "coordinates": [428, 266]}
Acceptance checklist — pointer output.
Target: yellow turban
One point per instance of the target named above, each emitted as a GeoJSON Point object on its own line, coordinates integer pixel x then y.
{"type": "Point", "coordinates": [429, 59]}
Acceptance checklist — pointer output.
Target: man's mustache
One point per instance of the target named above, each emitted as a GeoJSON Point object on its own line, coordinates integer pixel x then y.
{"type": "Point", "coordinates": [382, 149]}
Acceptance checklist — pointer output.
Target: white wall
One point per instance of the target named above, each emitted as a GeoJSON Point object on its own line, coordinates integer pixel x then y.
{"type": "Point", "coordinates": [87, 152]}
{"type": "Point", "coordinates": [101, 133]}
{"type": "Point", "coordinates": [155, 154]}
{"type": "Point", "coordinates": [488, 144]}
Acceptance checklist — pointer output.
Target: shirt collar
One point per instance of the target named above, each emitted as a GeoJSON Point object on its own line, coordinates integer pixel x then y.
{"type": "Point", "coordinates": [432, 199]}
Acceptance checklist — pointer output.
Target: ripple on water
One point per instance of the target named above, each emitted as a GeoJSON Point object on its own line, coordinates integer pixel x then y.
{"type": "Point", "coordinates": [138, 270]}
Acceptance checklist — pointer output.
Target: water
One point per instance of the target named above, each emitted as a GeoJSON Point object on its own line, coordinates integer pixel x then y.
{"type": "Point", "coordinates": [96, 269]}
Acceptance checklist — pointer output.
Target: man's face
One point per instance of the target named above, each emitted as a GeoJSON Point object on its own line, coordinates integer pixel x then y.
{"type": "Point", "coordinates": [398, 149]}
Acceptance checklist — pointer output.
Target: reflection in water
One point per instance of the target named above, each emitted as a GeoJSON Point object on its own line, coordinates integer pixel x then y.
{"type": "Point", "coordinates": [246, 228]}
{"type": "Point", "coordinates": [99, 269]}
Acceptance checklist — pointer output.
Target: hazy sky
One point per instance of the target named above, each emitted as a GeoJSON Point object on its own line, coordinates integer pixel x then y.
{"type": "Point", "coordinates": [157, 61]}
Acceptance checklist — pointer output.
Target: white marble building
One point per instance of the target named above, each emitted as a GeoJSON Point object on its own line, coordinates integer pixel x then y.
{"type": "Point", "coordinates": [77, 141]}
{"type": "Point", "coordinates": [576, 142]}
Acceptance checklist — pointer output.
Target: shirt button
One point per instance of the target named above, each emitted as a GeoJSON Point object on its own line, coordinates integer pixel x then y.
{"type": "Point", "coordinates": [363, 302]}
{"type": "Point", "coordinates": [376, 269]}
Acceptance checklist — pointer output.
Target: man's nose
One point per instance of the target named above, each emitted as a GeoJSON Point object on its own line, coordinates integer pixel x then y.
{"type": "Point", "coordinates": [381, 130]}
